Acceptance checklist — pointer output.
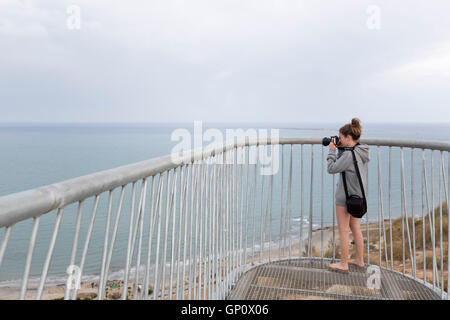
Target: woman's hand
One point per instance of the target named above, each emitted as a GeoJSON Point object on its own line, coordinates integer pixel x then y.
{"type": "Point", "coordinates": [332, 145]}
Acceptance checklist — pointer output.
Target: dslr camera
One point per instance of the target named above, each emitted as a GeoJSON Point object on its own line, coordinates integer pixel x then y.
{"type": "Point", "coordinates": [326, 141]}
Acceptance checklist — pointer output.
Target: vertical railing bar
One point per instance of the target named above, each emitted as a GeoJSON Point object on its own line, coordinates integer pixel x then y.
{"type": "Point", "coordinates": [206, 235]}
{"type": "Point", "coordinates": [241, 219]}
{"type": "Point", "coordinates": [238, 174]}
{"type": "Point", "coordinates": [261, 234]}
{"type": "Point", "coordinates": [334, 219]}
{"type": "Point", "coordinates": [5, 242]}
{"type": "Point", "coordinates": [135, 231]}
{"type": "Point", "coordinates": [169, 205]}
{"type": "Point", "coordinates": [238, 213]}
{"type": "Point", "coordinates": [227, 224]}
{"type": "Point", "coordinates": [86, 244]}
{"type": "Point", "coordinates": [281, 201]}
{"type": "Point", "coordinates": [405, 210]}
{"type": "Point", "coordinates": [209, 229]}
{"type": "Point", "coordinates": [221, 223]}
{"type": "Point", "coordinates": [435, 275]}
{"type": "Point", "coordinates": [247, 203]}
{"type": "Point", "coordinates": [105, 247]}
{"type": "Point", "coordinates": [423, 217]}
{"type": "Point", "coordinates": [218, 235]}
{"type": "Point", "coordinates": [271, 208]}
{"type": "Point", "coordinates": [301, 202]}
{"type": "Point", "coordinates": [214, 251]}
{"type": "Point", "coordinates": [432, 215]}
{"type": "Point", "coordinates": [183, 192]}
{"type": "Point", "coordinates": [225, 227]}
{"type": "Point", "coordinates": [441, 252]}
{"type": "Point", "coordinates": [116, 225]}
{"type": "Point", "coordinates": [219, 227]}
{"type": "Point", "coordinates": [199, 232]}
{"type": "Point", "coordinates": [215, 231]}
{"type": "Point", "coordinates": [242, 194]}
{"type": "Point", "coordinates": [402, 209]}
{"type": "Point", "coordinates": [429, 213]}
{"type": "Point", "coordinates": [197, 229]}
{"type": "Point", "coordinates": [322, 204]}
{"type": "Point", "coordinates": [235, 224]}
{"type": "Point", "coordinates": [367, 233]}
{"type": "Point", "coordinates": [311, 203]}
{"type": "Point", "coordinates": [232, 218]}
{"type": "Point", "coordinates": [380, 182]}
{"type": "Point", "coordinates": [286, 214]}
{"type": "Point", "coordinates": [49, 254]}
{"type": "Point", "coordinates": [75, 242]}
{"type": "Point", "coordinates": [193, 189]}
{"type": "Point", "coordinates": [379, 204]}
{"type": "Point", "coordinates": [23, 289]}
{"type": "Point", "coordinates": [254, 203]}
{"type": "Point", "coordinates": [173, 237]}
{"type": "Point", "coordinates": [390, 207]}
{"type": "Point", "coordinates": [158, 237]}
{"type": "Point", "coordinates": [233, 213]}
{"type": "Point", "coordinates": [180, 223]}
{"type": "Point", "coordinates": [290, 201]}
{"type": "Point", "coordinates": [202, 228]}
{"type": "Point", "coordinates": [150, 236]}
{"type": "Point", "coordinates": [448, 225]}
{"type": "Point", "coordinates": [130, 233]}
{"type": "Point", "coordinates": [141, 231]}
{"type": "Point", "coordinates": [413, 260]}
{"type": "Point", "coordinates": [189, 168]}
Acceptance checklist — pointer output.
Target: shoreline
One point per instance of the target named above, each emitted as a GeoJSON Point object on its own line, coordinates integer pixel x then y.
{"type": "Point", "coordinates": [89, 289]}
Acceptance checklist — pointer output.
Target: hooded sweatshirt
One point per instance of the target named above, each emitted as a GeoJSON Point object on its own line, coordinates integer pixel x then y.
{"type": "Point", "coordinates": [344, 162]}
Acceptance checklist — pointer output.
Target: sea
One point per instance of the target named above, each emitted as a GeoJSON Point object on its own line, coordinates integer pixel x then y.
{"type": "Point", "coordinates": [34, 155]}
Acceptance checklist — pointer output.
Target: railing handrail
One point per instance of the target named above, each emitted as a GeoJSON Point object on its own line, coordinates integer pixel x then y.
{"type": "Point", "coordinates": [35, 202]}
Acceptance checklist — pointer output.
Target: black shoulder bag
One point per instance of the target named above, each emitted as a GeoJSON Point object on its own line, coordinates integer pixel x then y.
{"type": "Point", "coordinates": [356, 205]}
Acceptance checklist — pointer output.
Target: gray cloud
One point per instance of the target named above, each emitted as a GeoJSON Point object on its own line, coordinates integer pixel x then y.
{"type": "Point", "coordinates": [265, 60]}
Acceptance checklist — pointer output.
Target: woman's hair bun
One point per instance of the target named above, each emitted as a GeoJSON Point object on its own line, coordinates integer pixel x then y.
{"type": "Point", "coordinates": [356, 127]}
{"type": "Point", "coordinates": [353, 128]}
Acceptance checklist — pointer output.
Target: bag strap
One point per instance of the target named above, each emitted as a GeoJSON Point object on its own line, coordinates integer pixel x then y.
{"type": "Point", "coordinates": [357, 173]}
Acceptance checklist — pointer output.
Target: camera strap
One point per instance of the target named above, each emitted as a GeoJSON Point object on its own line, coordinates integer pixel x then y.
{"type": "Point", "coordinates": [357, 173]}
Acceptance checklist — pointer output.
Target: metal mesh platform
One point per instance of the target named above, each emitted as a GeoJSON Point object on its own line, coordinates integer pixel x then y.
{"type": "Point", "coordinates": [308, 279]}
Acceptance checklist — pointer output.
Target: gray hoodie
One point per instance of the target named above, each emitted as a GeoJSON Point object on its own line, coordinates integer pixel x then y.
{"type": "Point", "coordinates": [344, 162]}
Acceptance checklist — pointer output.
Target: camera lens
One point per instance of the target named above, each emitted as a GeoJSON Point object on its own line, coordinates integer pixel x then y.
{"type": "Point", "coordinates": [326, 141]}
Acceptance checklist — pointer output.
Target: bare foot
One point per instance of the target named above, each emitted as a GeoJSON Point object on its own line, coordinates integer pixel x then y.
{"type": "Point", "coordinates": [357, 263]}
{"type": "Point", "coordinates": [338, 266]}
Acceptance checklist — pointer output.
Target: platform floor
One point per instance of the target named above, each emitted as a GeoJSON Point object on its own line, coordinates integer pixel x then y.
{"type": "Point", "coordinates": [308, 279]}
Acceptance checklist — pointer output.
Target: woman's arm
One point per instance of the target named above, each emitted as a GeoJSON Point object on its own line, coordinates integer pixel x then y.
{"type": "Point", "coordinates": [339, 165]}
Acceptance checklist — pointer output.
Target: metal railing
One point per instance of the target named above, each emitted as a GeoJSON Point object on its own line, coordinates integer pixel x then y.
{"type": "Point", "coordinates": [193, 228]}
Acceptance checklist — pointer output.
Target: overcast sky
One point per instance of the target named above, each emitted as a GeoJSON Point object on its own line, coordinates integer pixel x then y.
{"type": "Point", "coordinates": [225, 60]}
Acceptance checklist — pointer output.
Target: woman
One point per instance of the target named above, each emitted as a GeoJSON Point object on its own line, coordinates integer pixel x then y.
{"type": "Point", "coordinates": [349, 136]}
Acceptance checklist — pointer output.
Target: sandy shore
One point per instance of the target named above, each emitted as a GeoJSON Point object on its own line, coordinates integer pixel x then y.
{"type": "Point", "coordinates": [89, 290]}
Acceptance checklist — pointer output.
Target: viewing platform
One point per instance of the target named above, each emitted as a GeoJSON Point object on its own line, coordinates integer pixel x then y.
{"type": "Point", "coordinates": [205, 228]}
